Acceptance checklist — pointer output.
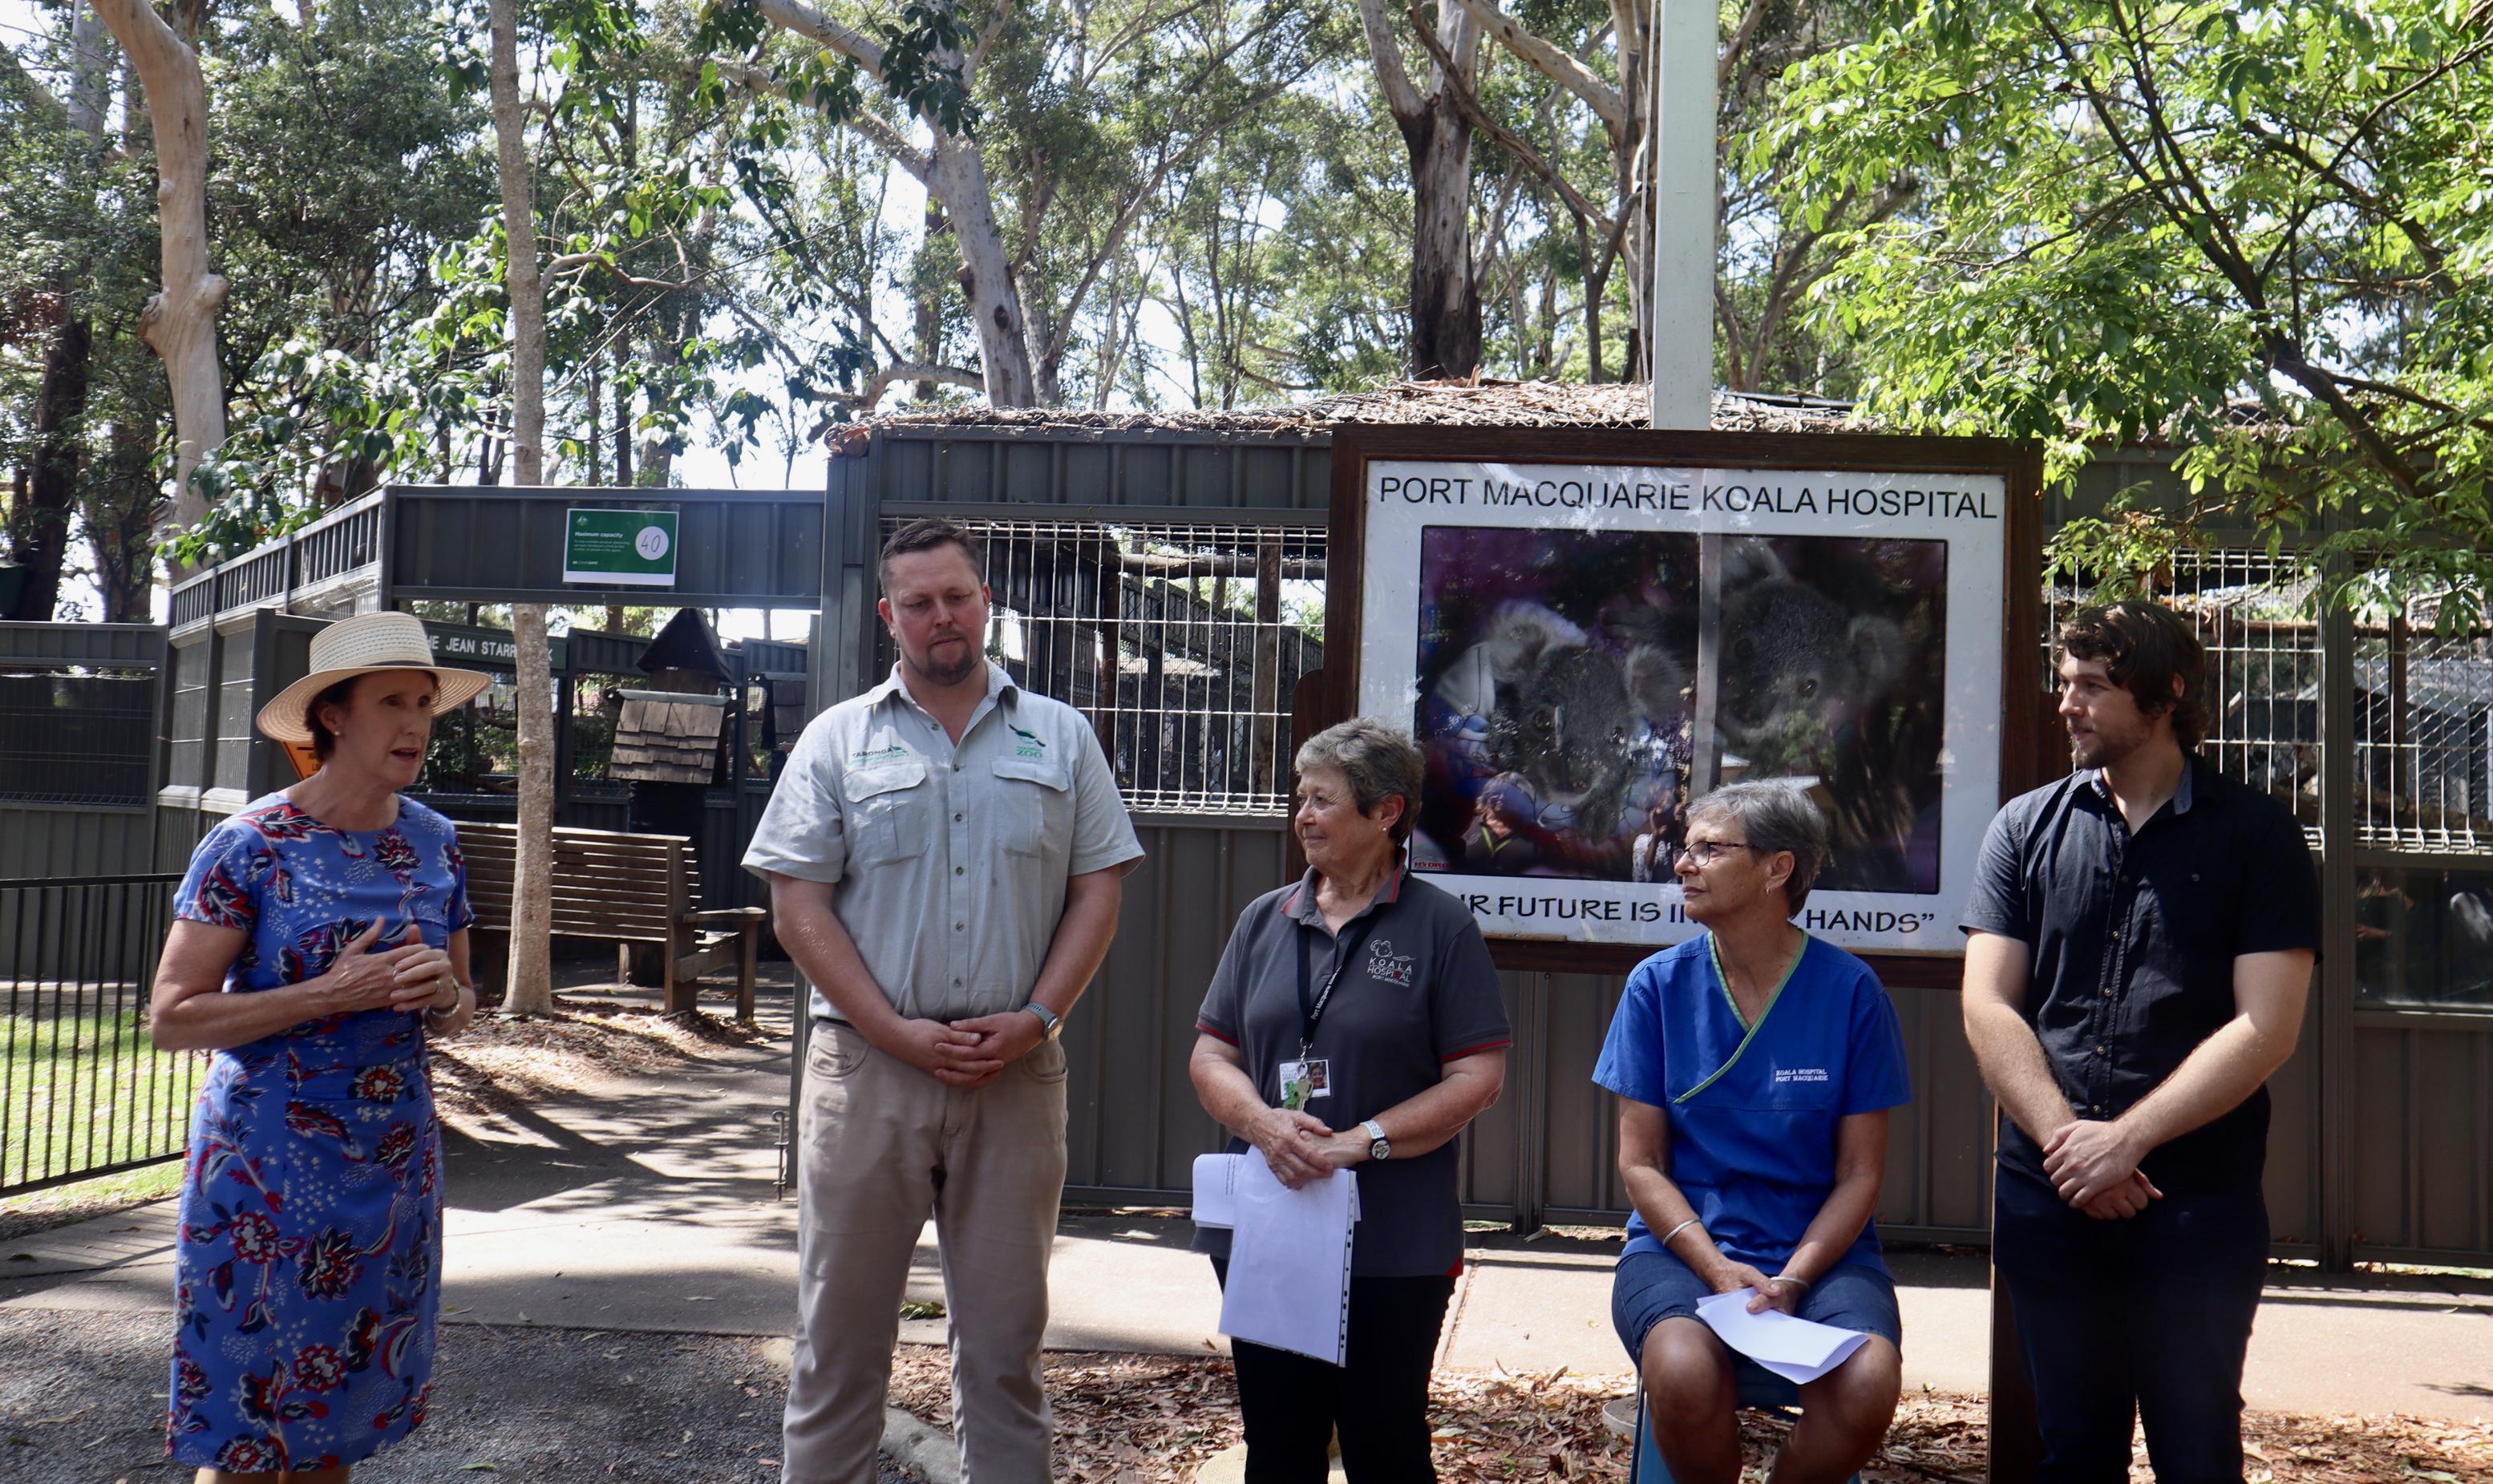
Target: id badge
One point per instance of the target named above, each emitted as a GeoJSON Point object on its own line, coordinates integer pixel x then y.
{"type": "Point", "coordinates": [1304, 1082]}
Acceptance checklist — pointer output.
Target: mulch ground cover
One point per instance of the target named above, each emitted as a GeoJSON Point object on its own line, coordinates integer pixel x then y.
{"type": "Point", "coordinates": [1155, 1419]}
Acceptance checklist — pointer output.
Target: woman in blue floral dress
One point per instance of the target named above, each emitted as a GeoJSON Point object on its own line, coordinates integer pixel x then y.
{"type": "Point", "coordinates": [320, 942]}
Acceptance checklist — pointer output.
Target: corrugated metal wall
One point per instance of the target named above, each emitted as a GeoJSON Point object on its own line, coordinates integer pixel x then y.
{"type": "Point", "coordinates": [51, 842]}
{"type": "Point", "coordinates": [2404, 1140]}
{"type": "Point", "coordinates": [2382, 1144]}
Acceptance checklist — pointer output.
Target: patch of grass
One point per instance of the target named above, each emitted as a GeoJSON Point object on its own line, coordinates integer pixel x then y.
{"type": "Point", "coordinates": [62, 1206]}
{"type": "Point", "coordinates": [87, 1089]}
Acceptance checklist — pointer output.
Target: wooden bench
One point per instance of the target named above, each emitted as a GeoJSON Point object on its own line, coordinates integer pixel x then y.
{"type": "Point", "coordinates": [618, 888]}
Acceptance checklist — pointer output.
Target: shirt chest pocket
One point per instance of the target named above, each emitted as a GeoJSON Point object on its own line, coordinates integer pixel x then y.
{"type": "Point", "coordinates": [1034, 804]}
{"type": "Point", "coordinates": [890, 811]}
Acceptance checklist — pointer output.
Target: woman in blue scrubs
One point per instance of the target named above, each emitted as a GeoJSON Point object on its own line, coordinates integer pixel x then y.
{"type": "Point", "coordinates": [1754, 1066]}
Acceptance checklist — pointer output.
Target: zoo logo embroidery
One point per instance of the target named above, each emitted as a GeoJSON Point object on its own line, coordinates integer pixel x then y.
{"type": "Point", "coordinates": [1032, 744]}
{"type": "Point", "coordinates": [1387, 967]}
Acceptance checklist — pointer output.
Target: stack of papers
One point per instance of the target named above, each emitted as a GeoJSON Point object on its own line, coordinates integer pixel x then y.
{"type": "Point", "coordinates": [1289, 1253]}
{"type": "Point", "coordinates": [1800, 1351]}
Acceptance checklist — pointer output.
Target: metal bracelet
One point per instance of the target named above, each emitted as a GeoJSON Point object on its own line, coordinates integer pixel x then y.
{"type": "Point", "coordinates": [1787, 1278]}
{"type": "Point", "coordinates": [1675, 1231]}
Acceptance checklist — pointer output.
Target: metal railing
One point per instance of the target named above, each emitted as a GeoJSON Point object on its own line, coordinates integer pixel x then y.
{"type": "Point", "coordinates": [83, 1091]}
{"type": "Point", "coordinates": [343, 544]}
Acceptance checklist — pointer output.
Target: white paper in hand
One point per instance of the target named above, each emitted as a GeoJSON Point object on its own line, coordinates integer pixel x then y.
{"type": "Point", "coordinates": [1799, 1351]}
{"type": "Point", "coordinates": [1215, 1186]}
{"type": "Point", "coordinates": [1289, 1261]}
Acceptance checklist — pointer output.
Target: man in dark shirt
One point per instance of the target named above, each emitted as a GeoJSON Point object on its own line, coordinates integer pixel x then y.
{"type": "Point", "coordinates": [2140, 942]}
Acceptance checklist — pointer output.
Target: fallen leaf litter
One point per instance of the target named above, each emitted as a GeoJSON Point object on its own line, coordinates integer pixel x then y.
{"type": "Point", "coordinates": [1155, 1419]}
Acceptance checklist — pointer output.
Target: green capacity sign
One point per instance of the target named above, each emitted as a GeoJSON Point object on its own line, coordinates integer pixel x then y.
{"type": "Point", "coordinates": [619, 548]}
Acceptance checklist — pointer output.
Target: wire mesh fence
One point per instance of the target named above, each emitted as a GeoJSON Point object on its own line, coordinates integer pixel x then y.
{"type": "Point", "coordinates": [2253, 612]}
{"type": "Point", "coordinates": [1183, 643]}
{"type": "Point", "coordinates": [2423, 737]}
{"type": "Point", "coordinates": [83, 1091]}
{"type": "Point", "coordinates": [76, 736]}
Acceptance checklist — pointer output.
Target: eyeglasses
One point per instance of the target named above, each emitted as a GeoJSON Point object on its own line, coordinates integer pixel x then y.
{"type": "Point", "coordinates": [1706, 852]}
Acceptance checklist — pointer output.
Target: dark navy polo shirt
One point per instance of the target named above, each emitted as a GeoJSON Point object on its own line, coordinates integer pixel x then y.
{"type": "Point", "coordinates": [1420, 992]}
{"type": "Point", "coordinates": [2133, 939]}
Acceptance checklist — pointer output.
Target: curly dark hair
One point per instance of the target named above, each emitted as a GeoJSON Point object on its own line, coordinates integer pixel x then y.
{"type": "Point", "coordinates": [2142, 646]}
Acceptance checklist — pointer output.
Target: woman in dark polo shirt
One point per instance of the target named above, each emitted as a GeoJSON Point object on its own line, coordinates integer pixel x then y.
{"type": "Point", "coordinates": [1373, 991]}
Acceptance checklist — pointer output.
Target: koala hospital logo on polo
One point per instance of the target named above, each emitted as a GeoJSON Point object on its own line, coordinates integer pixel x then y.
{"type": "Point", "coordinates": [1785, 1075]}
{"type": "Point", "coordinates": [1387, 967]}
{"type": "Point", "coordinates": [1029, 744]}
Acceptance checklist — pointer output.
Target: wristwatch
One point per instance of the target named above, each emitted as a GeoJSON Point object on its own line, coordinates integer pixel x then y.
{"type": "Point", "coordinates": [1049, 1021]}
{"type": "Point", "coordinates": [1378, 1146]}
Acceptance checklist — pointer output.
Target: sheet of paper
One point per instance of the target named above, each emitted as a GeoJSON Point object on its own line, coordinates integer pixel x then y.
{"type": "Point", "coordinates": [1215, 1185]}
{"type": "Point", "coordinates": [1216, 1202]}
{"type": "Point", "coordinates": [1289, 1262]}
{"type": "Point", "coordinates": [1797, 1350]}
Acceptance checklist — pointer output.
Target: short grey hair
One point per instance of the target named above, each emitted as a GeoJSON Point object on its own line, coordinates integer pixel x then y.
{"type": "Point", "coordinates": [1774, 817]}
{"type": "Point", "coordinates": [1380, 761]}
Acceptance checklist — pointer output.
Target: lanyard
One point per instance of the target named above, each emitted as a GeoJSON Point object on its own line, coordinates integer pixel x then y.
{"type": "Point", "coordinates": [1310, 1013]}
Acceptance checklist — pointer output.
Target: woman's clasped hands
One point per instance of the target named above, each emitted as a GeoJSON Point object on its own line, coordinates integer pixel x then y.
{"type": "Point", "coordinates": [1299, 1147]}
{"type": "Point", "coordinates": [409, 976]}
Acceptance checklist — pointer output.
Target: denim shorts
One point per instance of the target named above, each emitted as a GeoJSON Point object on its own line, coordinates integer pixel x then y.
{"type": "Point", "coordinates": [1651, 1287]}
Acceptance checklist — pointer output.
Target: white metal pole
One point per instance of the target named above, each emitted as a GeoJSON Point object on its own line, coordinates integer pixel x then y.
{"type": "Point", "coordinates": [1681, 347]}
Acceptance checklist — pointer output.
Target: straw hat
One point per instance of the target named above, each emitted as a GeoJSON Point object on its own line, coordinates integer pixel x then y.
{"type": "Point", "coordinates": [360, 646]}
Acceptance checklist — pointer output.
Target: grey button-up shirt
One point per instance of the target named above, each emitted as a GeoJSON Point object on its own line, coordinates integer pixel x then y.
{"type": "Point", "coordinates": [952, 861]}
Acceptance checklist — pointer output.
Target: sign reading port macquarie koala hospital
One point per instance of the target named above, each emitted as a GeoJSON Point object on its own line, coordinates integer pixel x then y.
{"type": "Point", "coordinates": [1588, 633]}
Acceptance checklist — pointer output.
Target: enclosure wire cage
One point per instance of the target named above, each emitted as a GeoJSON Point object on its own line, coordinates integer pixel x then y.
{"type": "Point", "coordinates": [2421, 698]}
{"type": "Point", "coordinates": [1182, 643]}
{"type": "Point", "coordinates": [76, 736]}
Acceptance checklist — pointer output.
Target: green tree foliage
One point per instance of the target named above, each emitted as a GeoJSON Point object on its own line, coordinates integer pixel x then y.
{"type": "Point", "coordinates": [2262, 232]}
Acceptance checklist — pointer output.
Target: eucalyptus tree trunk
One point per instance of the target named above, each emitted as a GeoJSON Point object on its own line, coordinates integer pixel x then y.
{"type": "Point", "coordinates": [39, 525]}
{"type": "Point", "coordinates": [529, 981]}
{"type": "Point", "coordinates": [1437, 137]}
{"type": "Point", "coordinates": [180, 319]}
{"type": "Point", "coordinates": [986, 272]}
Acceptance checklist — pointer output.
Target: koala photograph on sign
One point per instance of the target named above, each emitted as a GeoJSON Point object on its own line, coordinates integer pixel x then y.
{"type": "Point", "coordinates": [1583, 651]}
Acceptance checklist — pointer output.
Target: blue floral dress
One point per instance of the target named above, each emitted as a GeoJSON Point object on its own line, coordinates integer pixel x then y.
{"type": "Point", "coordinates": [309, 1264]}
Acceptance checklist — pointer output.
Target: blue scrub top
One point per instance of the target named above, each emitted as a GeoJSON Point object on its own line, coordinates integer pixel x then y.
{"type": "Point", "coordinates": [1752, 1114]}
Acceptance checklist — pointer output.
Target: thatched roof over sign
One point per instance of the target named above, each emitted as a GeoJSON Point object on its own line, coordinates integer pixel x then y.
{"type": "Point", "coordinates": [1438, 404]}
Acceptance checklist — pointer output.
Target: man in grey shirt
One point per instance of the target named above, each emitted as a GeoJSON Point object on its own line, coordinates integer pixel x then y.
{"type": "Point", "coordinates": [943, 854]}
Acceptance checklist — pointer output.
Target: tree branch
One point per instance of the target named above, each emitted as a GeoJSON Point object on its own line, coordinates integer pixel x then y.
{"type": "Point", "coordinates": [51, 110]}
{"type": "Point", "coordinates": [2284, 354]}
{"type": "Point", "coordinates": [1750, 20]}
{"type": "Point", "coordinates": [1553, 64]}
{"type": "Point", "coordinates": [805, 20]}
{"type": "Point", "coordinates": [1401, 99]}
{"type": "Point", "coordinates": [2424, 246]}
{"type": "Point", "coordinates": [911, 370]}
{"type": "Point", "coordinates": [1468, 103]}
{"type": "Point", "coordinates": [2418, 398]}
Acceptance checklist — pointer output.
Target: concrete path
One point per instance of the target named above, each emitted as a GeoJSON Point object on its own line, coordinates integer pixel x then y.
{"type": "Point", "coordinates": [647, 1206]}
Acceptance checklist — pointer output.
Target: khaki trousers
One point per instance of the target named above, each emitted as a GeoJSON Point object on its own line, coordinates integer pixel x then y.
{"type": "Point", "coordinates": [883, 1144]}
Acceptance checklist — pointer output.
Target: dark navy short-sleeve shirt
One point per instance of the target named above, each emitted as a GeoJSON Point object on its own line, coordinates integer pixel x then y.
{"type": "Point", "coordinates": [1420, 992]}
{"type": "Point", "coordinates": [2133, 939]}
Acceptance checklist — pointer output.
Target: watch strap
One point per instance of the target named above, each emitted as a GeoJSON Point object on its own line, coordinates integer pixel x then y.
{"type": "Point", "coordinates": [1050, 1022]}
{"type": "Point", "coordinates": [1378, 1146]}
